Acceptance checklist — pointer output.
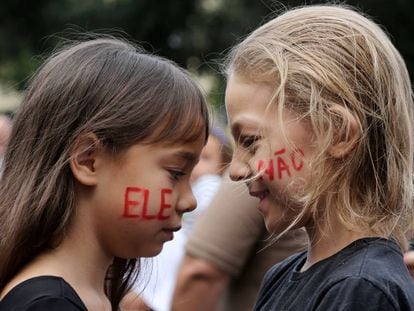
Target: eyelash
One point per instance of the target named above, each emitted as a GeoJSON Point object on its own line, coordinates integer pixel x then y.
{"type": "Point", "coordinates": [176, 174]}
{"type": "Point", "coordinates": [248, 142]}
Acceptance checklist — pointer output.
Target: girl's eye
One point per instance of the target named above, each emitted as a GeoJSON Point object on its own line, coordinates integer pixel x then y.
{"type": "Point", "coordinates": [176, 174]}
{"type": "Point", "coordinates": [248, 142]}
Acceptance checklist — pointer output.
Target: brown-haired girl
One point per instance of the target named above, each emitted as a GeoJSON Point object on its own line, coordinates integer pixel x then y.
{"type": "Point", "coordinates": [97, 173]}
{"type": "Point", "coordinates": [320, 105]}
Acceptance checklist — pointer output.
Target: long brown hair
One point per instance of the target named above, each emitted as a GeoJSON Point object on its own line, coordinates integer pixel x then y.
{"type": "Point", "coordinates": [104, 86]}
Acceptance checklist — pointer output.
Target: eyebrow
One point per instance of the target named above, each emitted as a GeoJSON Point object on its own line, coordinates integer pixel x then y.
{"type": "Point", "coordinates": [188, 156]}
{"type": "Point", "coordinates": [238, 125]}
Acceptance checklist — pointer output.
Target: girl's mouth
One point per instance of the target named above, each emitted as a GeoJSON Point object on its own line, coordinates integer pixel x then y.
{"type": "Point", "coordinates": [259, 194]}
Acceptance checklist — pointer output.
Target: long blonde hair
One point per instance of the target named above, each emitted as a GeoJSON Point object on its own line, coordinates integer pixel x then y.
{"type": "Point", "coordinates": [320, 56]}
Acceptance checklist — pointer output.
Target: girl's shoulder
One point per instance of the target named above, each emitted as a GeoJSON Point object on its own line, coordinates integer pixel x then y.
{"type": "Point", "coordinates": [42, 293]}
{"type": "Point", "coordinates": [369, 257]}
{"type": "Point", "coordinates": [368, 273]}
{"type": "Point", "coordinates": [373, 259]}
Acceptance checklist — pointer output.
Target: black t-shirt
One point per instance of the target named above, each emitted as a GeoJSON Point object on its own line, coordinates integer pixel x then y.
{"type": "Point", "coordinates": [369, 274]}
{"type": "Point", "coordinates": [42, 293]}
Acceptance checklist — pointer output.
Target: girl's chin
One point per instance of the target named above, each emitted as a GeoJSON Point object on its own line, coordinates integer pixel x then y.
{"type": "Point", "coordinates": [153, 252]}
{"type": "Point", "coordinates": [147, 252]}
{"type": "Point", "coordinates": [276, 220]}
{"type": "Point", "coordinates": [274, 227]}
{"type": "Point", "coordinates": [274, 223]}
{"type": "Point", "coordinates": [278, 224]}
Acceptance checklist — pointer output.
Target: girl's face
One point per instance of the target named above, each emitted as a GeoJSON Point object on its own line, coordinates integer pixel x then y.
{"type": "Point", "coordinates": [141, 196]}
{"type": "Point", "coordinates": [270, 155]}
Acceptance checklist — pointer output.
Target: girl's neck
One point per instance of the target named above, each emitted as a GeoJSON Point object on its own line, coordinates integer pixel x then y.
{"type": "Point", "coordinates": [83, 263]}
{"type": "Point", "coordinates": [79, 260]}
{"type": "Point", "coordinates": [84, 268]}
{"type": "Point", "coordinates": [328, 241]}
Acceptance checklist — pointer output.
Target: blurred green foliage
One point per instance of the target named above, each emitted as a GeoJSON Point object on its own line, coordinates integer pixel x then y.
{"type": "Point", "coordinates": [194, 33]}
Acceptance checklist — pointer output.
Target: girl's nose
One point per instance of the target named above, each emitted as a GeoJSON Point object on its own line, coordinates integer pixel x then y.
{"type": "Point", "coordinates": [186, 202]}
{"type": "Point", "coordinates": [239, 169]}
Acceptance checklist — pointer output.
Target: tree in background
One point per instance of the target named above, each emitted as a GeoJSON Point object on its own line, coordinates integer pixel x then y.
{"type": "Point", "coordinates": [194, 33]}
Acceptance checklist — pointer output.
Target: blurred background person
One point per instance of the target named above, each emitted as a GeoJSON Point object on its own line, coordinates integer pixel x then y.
{"type": "Point", "coordinates": [207, 174]}
{"type": "Point", "coordinates": [409, 261]}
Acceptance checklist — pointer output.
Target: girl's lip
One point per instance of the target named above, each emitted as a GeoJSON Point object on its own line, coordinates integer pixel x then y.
{"type": "Point", "coordinates": [261, 194]}
{"type": "Point", "coordinates": [173, 229]}
{"type": "Point", "coordinates": [170, 232]}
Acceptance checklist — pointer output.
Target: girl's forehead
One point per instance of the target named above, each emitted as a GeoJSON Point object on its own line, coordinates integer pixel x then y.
{"type": "Point", "coordinates": [180, 129]}
{"type": "Point", "coordinates": [241, 92]}
{"type": "Point", "coordinates": [248, 104]}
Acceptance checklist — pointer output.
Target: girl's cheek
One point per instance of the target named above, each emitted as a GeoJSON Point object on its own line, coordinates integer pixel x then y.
{"type": "Point", "coordinates": [282, 165]}
{"type": "Point", "coordinates": [137, 203]}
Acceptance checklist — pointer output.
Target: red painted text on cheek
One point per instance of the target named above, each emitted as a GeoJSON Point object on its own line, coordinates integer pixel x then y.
{"type": "Point", "coordinates": [268, 171]}
{"type": "Point", "coordinates": [136, 203]}
{"type": "Point", "coordinates": [164, 205]}
{"type": "Point", "coordinates": [281, 165]}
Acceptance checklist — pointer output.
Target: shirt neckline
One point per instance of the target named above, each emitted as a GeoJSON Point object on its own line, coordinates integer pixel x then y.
{"type": "Point", "coordinates": [35, 278]}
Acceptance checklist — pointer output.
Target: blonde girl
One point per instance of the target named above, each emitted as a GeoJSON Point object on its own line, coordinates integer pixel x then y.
{"type": "Point", "coordinates": [320, 105]}
{"type": "Point", "coordinates": [97, 173]}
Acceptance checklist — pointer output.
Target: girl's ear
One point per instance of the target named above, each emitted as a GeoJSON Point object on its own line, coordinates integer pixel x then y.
{"type": "Point", "coordinates": [83, 159]}
{"type": "Point", "coordinates": [347, 132]}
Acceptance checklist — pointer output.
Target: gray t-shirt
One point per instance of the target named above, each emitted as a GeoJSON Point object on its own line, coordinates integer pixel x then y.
{"type": "Point", "coordinates": [367, 275]}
